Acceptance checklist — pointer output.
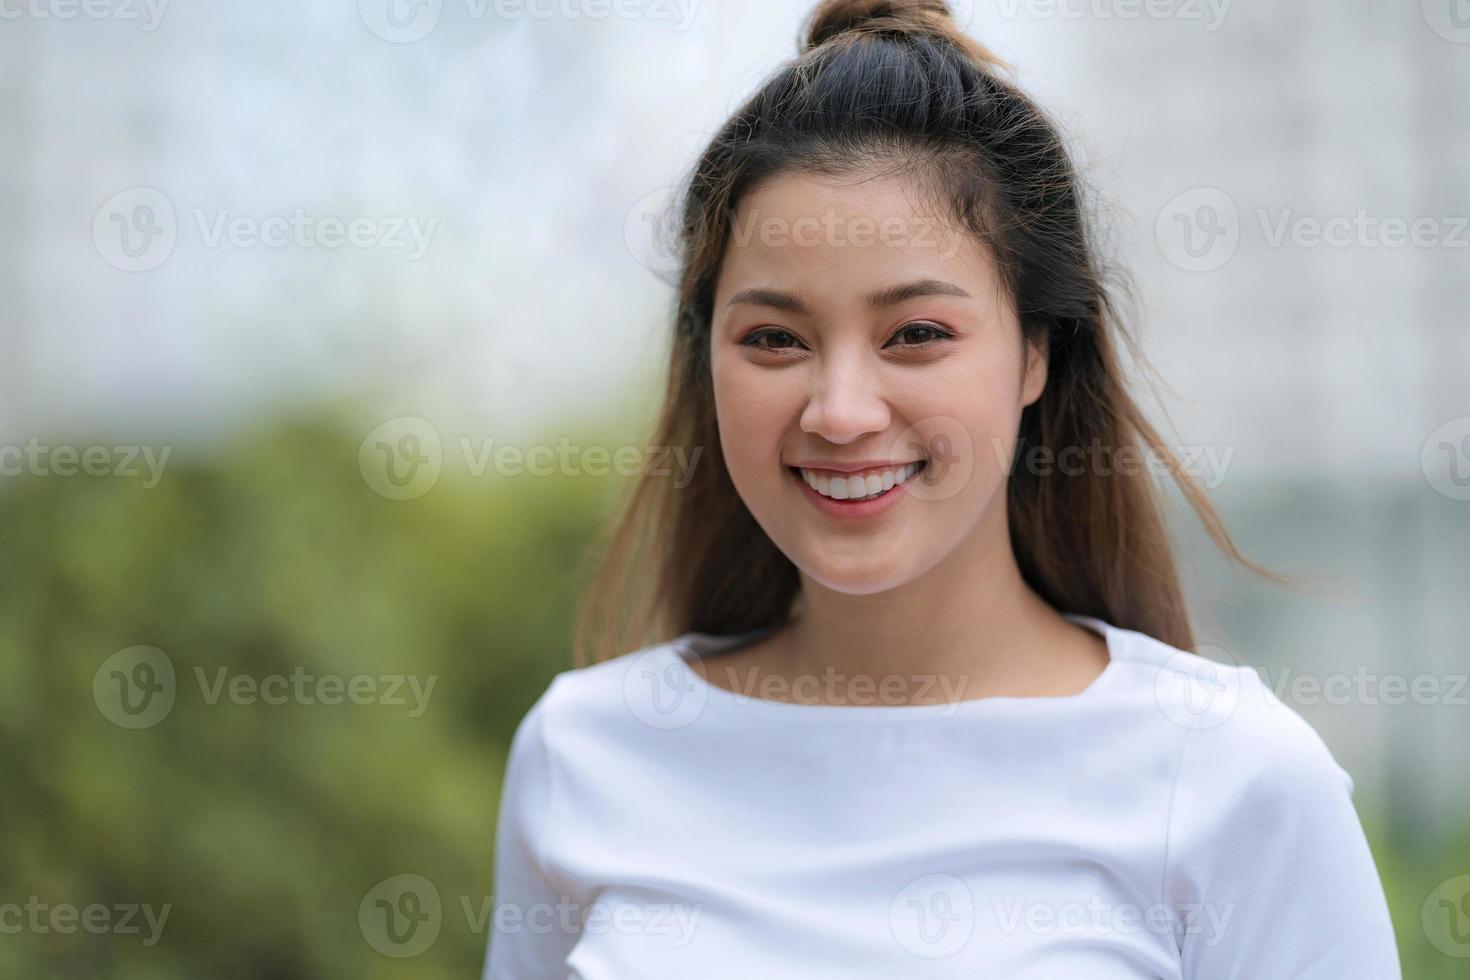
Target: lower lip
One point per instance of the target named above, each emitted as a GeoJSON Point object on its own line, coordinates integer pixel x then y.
{"type": "Point", "coordinates": [854, 509]}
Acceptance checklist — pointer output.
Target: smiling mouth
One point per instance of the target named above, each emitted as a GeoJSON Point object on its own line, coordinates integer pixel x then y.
{"type": "Point", "coordinates": [857, 489]}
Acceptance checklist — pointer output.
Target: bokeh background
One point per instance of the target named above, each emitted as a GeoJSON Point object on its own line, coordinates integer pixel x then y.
{"type": "Point", "coordinates": [278, 281]}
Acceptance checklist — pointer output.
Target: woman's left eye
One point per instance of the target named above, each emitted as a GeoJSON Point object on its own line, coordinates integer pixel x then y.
{"type": "Point", "coordinates": [928, 333]}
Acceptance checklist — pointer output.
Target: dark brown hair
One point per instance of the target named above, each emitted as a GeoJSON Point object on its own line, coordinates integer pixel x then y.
{"type": "Point", "coordinates": [895, 86]}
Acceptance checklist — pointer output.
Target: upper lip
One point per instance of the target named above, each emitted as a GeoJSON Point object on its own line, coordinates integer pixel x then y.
{"type": "Point", "coordinates": [852, 467]}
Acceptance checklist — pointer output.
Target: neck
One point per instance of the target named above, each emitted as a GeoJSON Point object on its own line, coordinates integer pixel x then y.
{"type": "Point", "coordinates": [971, 622]}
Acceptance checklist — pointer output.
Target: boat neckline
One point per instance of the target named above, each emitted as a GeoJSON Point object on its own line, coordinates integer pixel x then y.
{"type": "Point", "coordinates": [710, 645]}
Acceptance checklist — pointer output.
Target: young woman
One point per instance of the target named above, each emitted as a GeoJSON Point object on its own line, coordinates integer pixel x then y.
{"type": "Point", "coordinates": [930, 707]}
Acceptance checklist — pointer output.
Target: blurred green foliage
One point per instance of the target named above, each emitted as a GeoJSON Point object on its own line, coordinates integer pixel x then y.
{"type": "Point", "coordinates": [265, 826]}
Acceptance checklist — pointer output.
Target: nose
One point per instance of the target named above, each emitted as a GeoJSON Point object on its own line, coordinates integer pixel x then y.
{"type": "Point", "coordinates": [846, 401]}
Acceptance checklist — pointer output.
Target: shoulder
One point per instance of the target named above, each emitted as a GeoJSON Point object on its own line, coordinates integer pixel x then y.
{"type": "Point", "coordinates": [599, 699]}
{"type": "Point", "coordinates": [1264, 858]}
{"type": "Point", "coordinates": [1248, 775]}
{"type": "Point", "coordinates": [1257, 815]}
{"type": "Point", "coordinates": [1227, 727]}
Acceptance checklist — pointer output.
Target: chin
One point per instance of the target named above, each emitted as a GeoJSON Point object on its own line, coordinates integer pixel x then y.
{"type": "Point", "coordinates": [859, 577]}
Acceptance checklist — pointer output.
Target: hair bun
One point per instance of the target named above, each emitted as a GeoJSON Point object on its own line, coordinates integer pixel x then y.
{"type": "Point", "coordinates": [934, 18]}
{"type": "Point", "coordinates": [834, 17]}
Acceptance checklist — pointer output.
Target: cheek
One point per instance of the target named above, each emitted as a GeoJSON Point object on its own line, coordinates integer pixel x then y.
{"type": "Point", "coordinates": [750, 417]}
{"type": "Point", "coordinates": [969, 419]}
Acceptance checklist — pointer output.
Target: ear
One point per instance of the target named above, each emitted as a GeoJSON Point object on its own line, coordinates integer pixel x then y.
{"type": "Point", "coordinates": [1033, 382]}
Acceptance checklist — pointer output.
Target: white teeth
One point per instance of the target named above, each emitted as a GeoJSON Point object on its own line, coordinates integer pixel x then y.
{"type": "Point", "coordinates": [862, 487]}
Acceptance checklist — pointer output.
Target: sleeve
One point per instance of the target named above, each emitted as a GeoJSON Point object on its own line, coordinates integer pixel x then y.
{"type": "Point", "coordinates": [530, 934]}
{"type": "Point", "coordinates": [1266, 864]}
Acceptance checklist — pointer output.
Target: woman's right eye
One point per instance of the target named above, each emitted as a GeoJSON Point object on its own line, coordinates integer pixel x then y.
{"type": "Point", "coordinates": [754, 339]}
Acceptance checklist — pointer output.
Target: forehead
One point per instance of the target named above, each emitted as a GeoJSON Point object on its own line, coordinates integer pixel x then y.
{"type": "Point", "coordinates": [833, 238]}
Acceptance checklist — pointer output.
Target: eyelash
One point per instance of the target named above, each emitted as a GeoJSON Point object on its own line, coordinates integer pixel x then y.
{"type": "Point", "coordinates": [941, 335]}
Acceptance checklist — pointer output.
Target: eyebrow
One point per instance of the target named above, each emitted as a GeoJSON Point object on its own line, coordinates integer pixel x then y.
{"type": "Point", "coordinates": [883, 297]}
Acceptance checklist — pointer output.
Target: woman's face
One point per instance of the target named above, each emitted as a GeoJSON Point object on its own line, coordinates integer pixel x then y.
{"type": "Point", "coordinates": [813, 365]}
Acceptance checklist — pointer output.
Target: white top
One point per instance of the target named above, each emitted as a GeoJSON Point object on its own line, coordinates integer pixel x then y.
{"type": "Point", "coordinates": [1173, 820]}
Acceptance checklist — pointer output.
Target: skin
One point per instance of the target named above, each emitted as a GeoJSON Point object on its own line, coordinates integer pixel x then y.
{"type": "Point", "coordinates": [928, 591]}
